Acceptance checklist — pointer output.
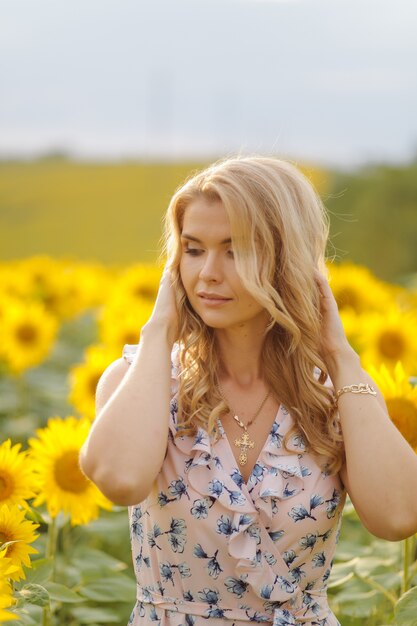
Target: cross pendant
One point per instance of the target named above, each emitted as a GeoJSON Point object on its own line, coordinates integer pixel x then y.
{"type": "Point", "coordinates": [244, 444]}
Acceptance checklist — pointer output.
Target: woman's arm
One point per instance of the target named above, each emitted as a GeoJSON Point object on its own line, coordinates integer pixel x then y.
{"type": "Point", "coordinates": [126, 445]}
{"type": "Point", "coordinates": [380, 473]}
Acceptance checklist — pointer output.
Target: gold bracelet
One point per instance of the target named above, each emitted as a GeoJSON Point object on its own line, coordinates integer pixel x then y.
{"type": "Point", "coordinates": [360, 388]}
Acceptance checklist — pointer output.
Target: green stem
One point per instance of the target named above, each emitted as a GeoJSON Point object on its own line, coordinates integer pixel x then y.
{"type": "Point", "coordinates": [51, 544]}
{"type": "Point", "coordinates": [375, 585]}
{"type": "Point", "coordinates": [406, 554]}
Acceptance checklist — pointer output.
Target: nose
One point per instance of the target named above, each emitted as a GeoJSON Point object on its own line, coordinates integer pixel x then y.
{"type": "Point", "coordinates": [211, 269]}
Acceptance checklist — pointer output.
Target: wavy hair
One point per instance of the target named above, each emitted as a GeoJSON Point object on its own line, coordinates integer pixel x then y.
{"type": "Point", "coordinates": [279, 228]}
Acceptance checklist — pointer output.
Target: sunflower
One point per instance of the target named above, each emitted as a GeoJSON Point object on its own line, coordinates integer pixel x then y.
{"type": "Point", "coordinates": [388, 337]}
{"type": "Point", "coordinates": [27, 335]}
{"type": "Point", "coordinates": [121, 322]}
{"type": "Point", "coordinates": [14, 527]}
{"type": "Point", "coordinates": [83, 378]}
{"type": "Point", "coordinates": [63, 486]}
{"type": "Point", "coordinates": [355, 287]}
{"type": "Point", "coordinates": [400, 397]}
{"type": "Point", "coordinates": [139, 281]}
{"type": "Point", "coordinates": [17, 479]}
{"type": "Point", "coordinates": [6, 592]}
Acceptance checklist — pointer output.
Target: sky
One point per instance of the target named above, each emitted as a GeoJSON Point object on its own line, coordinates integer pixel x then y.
{"type": "Point", "coordinates": [330, 81]}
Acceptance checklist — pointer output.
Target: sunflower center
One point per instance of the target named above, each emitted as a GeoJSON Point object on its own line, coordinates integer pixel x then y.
{"type": "Point", "coordinates": [144, 292]}
{"type": "Point", "coordinates": [6, 486]}
{"type": "Point", "coordinates": [26, 333]}
{"type": "Point", "coordinates": [131, 338]}
{"type": "Point", "coordinates": [348, 297]}
{"type": "Point", "coordinates": [4, 538]}
{"type": "Point", "coordinates": [403, 413]}
{"type": "Point", "coordinates": [92, 384]}
{"type": "Point", "coordinates": [68, 474]}
{"type": "Point", "coordinates": [391, 344]}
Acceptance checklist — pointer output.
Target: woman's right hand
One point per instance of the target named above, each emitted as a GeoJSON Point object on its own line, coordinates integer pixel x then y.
{"type": "Point", "coordinates": [165, 313]}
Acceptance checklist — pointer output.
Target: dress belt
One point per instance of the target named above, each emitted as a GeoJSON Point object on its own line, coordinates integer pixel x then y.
{"type": "Point", "coordinates": [279, 617]}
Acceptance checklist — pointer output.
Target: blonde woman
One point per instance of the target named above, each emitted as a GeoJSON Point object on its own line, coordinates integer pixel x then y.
{"type": "Point", "coordinates": [235, 428]}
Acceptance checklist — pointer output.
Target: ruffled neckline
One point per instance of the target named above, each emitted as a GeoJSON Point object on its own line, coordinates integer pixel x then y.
{"type": "Point", "coordinates": [248, 517]}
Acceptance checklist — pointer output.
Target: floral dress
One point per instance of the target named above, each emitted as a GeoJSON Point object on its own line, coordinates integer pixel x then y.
{"type": "Point", "coordinates": [207, 545]}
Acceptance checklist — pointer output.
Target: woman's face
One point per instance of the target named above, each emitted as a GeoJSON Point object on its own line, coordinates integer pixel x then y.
{"type": "Point", "coordinates": [208, 273]}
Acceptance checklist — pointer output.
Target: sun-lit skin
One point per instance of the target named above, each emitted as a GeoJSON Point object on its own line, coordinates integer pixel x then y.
{"type": "Point", "coordinates": [208, 265]}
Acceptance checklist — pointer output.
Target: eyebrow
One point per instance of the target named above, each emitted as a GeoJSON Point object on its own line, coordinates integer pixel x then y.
{"type": "Point", "coordinates": [191, 238]}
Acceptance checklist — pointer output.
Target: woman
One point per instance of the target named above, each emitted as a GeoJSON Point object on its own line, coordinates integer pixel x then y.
{"type": "Point", "coordinates": [235, 494]}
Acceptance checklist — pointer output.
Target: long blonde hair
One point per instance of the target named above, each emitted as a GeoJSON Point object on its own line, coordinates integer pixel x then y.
{"type": "Point", "coordinates": [279, 229]}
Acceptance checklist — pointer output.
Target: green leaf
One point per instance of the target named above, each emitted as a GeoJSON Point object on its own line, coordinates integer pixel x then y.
{"type": "Point", "coordinates": [40, 571]}
{"type": "Point", "coordinates": [110, 589]}
{"type": "Point", "coordinates": [88, 614]}
{"type": "Point", "coordinates": [366, 566]}
{"type": "Point", "coordinates": [34, 594]}
{"type": "Point", "coordinates": [90, 561]}
{"type": "Point", "coordinates": [406, 609]}
{"type": "Point", "coordinates": [61, 593]}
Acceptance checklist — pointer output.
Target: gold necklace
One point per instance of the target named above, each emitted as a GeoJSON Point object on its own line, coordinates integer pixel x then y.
{"type": "Point", "coordinates": [244, 444]}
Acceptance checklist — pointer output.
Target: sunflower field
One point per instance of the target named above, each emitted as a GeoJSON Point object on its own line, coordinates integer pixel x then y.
{"type": "Point", "coordinates": [64, 548]}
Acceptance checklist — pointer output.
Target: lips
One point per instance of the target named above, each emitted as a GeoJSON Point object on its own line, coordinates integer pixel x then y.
{"type": "Point", "coordinates": [212, 296]}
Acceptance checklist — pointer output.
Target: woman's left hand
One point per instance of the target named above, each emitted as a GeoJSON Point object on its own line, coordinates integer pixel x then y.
{"type": "Point", "coordinates": [333, 338]}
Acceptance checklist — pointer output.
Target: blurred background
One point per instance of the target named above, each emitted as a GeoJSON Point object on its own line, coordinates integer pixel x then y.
{"type": "Point", "coordinates": [106, 106]}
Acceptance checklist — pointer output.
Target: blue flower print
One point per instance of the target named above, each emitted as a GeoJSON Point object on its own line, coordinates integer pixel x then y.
{"type": "Point", "coordinates": [189, 620]}
{"type": "Point", "coordinates": [297, 573]}
{"type": "Point", "coordinates": [137, 526]}
{"type": "Point", "coordinates": [275, 437]}
{"type": "Point", "coordinates": [153, 536]}
{"type": "Point", "coordinates": [225, 526]}
{"type": "Point", "coordinates": [236, 586]}
{"type": "Point", "coordinates": [276, 534]}
{"type": "Point", "coordinates": [256, 617]}
{"type": "Point", "coordinates": [287, 493]}
{"type": "Point", "coordinates": [184, 570]}
{"type": "Point", "coordinates": [244, 520]}
{"type": "Point", "coordinates": [266, 591]}
{"type": "Point", "coordinates": [217, 462]}
{"type": "Point", "coordinates": [237, 477]}
{"type": "Point", "coordinates": [319, 559]}
{"type": "Point", "coordinates": [213, 565]}
{"type": "Point", "coordinates": [209, 596]}
{"type": "Point", "coordinates": [166, 572]}
{"type": "Point", "coordinates": [309, 541]}
{"type": "Point", "coordinates": [200, 508]}
{"type": "Point", "coordinates": [188, 596]}
{"type": "Point", "coordinates": [257, 474]}
{"type": "Point", "coordinates": [298, 441]}
{"type": "Point", "coordinates": [285, 584]}
{"type": "Point", "coordinates": [216, 487]}
{"type": "Point", "coordinates": [305, 471]}
{"type": "Point", "coordinates": [283, 618]}
{"type": "Point", "coordinates": [315, 501]}
{"type": "Point", "coordinates": [269, 558]}
{"type": "Point", "coordinates": [153, 615]}
{"type": "Point", "coordinates": [333, 503]}
{"type": "Point", "coordinates": [177, 535]}
{"type": "Point", "coordinates": [201, 437]}
{"type": "Point", "coordinates": [178, 488]}
{"type": "Point", "coordinates": [326, 575]}
{"type": "Point", "coordinates": [300, 513]}
{"type": "Point", "coordinates": [235, 497]}
{"type": "Point", "coordinates": [289, 556]}
{"type": "Point", "coordinates": [254, 532]}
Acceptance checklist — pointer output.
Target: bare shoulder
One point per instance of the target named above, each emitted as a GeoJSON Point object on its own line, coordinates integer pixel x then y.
{"type": "Point", "coordinates": [109, 381]}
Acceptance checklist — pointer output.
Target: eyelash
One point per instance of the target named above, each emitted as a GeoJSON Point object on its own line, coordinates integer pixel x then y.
{"type": "Point", "coordinates": [196, 251]}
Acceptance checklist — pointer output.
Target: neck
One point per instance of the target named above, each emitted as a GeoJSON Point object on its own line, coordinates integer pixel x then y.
{"type": "Point", "coordinates": [240, 360]}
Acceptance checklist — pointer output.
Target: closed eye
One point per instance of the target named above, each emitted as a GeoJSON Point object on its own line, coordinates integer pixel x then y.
{"type": "Point", "coordinates": [192, 251]}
